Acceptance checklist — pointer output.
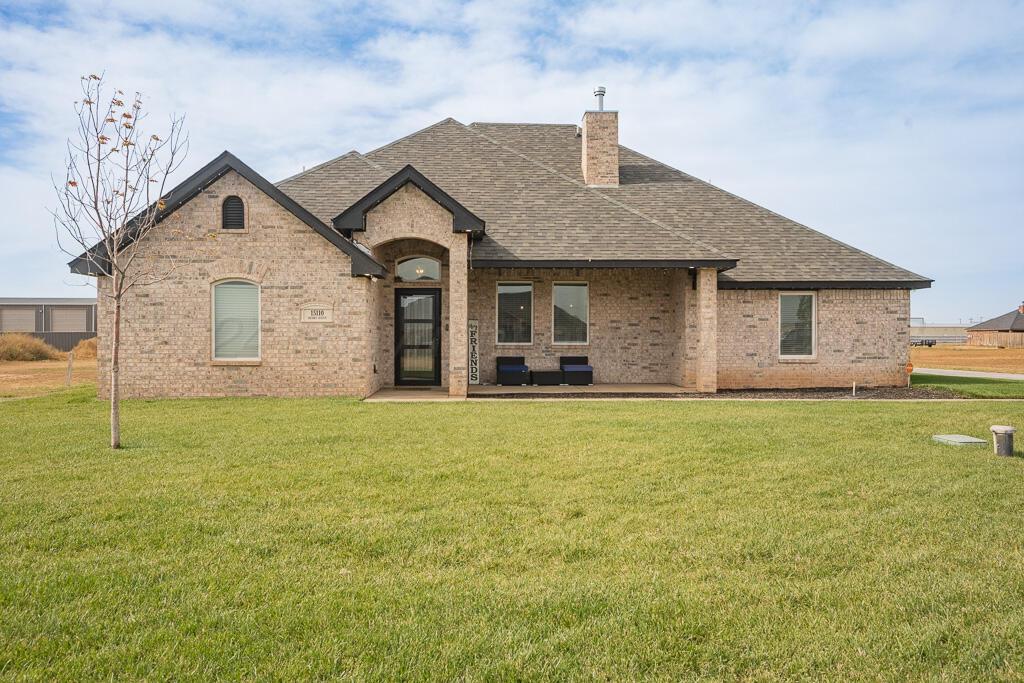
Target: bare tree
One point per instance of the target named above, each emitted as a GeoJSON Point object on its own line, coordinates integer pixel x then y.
{"type": "Point", "coordinates": [112, 196]}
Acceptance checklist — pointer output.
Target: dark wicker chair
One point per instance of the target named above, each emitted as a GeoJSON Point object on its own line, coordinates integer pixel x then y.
{"type": "Point", "coordinates": [512, 371]}
{"type": "Point", "coordinates": [576, 370]}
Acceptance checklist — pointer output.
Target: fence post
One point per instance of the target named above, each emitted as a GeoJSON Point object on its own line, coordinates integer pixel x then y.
{"type": "Point", "coordinates": [71, 362]}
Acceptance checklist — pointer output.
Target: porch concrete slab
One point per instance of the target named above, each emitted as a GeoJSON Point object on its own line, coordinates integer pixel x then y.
{"type": "Point", "coordinates": [958, 440]}
{"type": "Point", "coordinates": [411, 395]}
{"type": "Point", "coordinates": [484, 391]}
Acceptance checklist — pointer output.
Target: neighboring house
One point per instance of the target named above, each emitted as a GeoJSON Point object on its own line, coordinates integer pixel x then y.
{"type": "Point", "coordinates": [1006, 330]}
{"type": "Point", "coordinates": [920, 332]}
{"type": "Point", "coordinates": [60, 322]}
{"type": "Point", "coordinates": [373, 270]}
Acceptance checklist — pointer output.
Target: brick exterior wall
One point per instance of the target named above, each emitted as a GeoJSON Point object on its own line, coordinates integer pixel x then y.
{"type": "Point", "coordinates": [707, 330]}
{"type": "Point", "coordinates": [409, 214]}
{"type": "Point", "coordinates": [600, 148]}
{"type": "Point", "coordinates": [863, 337]}
{"type": "Point", "coordinates": [389, 255]}
{"type": "Point", "coordinates": [166, 329]}
{"type": "Point", "coordinates": [646, 325]}
{"type": "Point", "coordinates": [633, 322]}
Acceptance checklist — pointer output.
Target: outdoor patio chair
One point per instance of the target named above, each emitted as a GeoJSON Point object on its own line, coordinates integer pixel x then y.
{"type": "Point", "coordinates": [512, 371]}
{"type": "Point", "coordinates": [576, 370]}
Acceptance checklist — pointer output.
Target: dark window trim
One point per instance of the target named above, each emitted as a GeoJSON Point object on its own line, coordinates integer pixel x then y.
{"type": "Point", "coordinates": [570, 283]}
{"type": "Point", "coordinates": [813, 355]}
{"type": "Point", "coordinates": [497, 311]}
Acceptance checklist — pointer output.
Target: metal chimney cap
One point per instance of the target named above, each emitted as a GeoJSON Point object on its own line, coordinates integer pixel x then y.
{"type": "Point", "coordinates": [600, 90]}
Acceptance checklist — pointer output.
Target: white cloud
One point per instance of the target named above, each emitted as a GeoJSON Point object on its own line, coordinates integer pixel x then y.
{"type": "Point", "coordinates": [894, 127]}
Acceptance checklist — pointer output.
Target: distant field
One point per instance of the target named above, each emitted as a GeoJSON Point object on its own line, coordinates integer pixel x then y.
{"type": "Point", "coordinates": [969, 358]}
{"type": "Point", "coordinates": [36, 378]}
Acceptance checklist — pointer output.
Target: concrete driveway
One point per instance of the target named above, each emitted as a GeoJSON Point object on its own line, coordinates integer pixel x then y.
{"type": "Point", "coordinates": [969, 373]}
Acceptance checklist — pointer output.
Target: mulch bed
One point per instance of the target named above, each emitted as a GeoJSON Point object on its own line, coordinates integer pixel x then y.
{"type": "Point", "coordinates": [867, 394]}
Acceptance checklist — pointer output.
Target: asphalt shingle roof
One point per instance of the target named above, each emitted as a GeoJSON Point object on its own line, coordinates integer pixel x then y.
{"type": "Point", "coordinates": [525, 181]}
{"type": "Point", "coordinates": [1008, 322]}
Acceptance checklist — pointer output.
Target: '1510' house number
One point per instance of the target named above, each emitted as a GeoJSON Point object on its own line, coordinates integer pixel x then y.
{"type": "Point", "coordinates": [317, 313]}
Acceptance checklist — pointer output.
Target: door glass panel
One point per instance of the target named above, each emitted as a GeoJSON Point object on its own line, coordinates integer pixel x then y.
{"type": "Point", "coordinates": [419, 334]}
{"type": "Point", "coordinates": [417, 331]}
{"type": "Point", "coordinates": [418, 363]}
{"type": "Point", "coordinates": [418, 307]}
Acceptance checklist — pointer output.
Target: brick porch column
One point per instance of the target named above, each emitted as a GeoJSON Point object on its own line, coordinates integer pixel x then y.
{"type": "Point", "coordinates": [707, 329]}
{"type": "Point", "coordinates": [458, 316]}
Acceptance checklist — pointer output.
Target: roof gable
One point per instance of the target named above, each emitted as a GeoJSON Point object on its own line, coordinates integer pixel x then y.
{"type": "Point", "coordinates": [526, 179]}
{"type": "Point", "coordinates": [535, 215]}
{"type": "Point", "coordinates": [353, 219]}
{"type": "Point", "coordinates": [771, 249]}
{"type": "Point", "coordinates": [93, 261]}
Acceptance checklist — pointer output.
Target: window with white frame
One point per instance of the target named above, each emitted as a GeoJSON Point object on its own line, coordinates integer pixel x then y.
{"type": "Point", "coordinates": [571, 313]}
{"type": "Point", "coordinates": [236, 320]}
{"type": "Point", "coordinates": [515, 313]}
{"type": "Point", "coordinates": [797, 329]}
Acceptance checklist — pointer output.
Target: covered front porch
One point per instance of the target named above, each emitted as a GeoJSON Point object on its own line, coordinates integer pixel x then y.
{"type": "Point", "coordinates": [441, 318]}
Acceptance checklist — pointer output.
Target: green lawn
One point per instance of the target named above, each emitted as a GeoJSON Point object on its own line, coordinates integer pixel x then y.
{"type": "Point", "coordinates": [972, 387]}
{"type": "Point", "coordinates": [295, 539]}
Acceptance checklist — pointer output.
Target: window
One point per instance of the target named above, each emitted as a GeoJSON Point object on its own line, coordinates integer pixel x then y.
{"type": "Point", "coordinates": [418, 269]}
{"type": "Point", "coordinates": [236, 321]}
{"type": "Point", "coordinates": [571, 314]}
{"type": "Point", "coordinates": [796, 325]}
{"type": "Point", "coordinates": [232, 214]}
{"type": "Point", "coordinates": [515, 313]}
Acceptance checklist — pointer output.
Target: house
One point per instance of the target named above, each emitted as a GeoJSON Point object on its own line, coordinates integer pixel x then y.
{"type": "Point", "coordinates": [537, 241]}
{"type": "Point", "coordinates": [1006, 331]}
{"type": "Point", "coordinates": [60, 322]}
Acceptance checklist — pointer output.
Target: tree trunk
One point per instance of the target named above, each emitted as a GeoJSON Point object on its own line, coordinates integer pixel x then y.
{"type": "Point", "coordinates": [115, 371]}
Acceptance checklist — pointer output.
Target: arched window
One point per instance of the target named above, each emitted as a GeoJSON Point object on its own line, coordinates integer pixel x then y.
{"type": "Point", "coordinates": [232, 214]}
{"type": "Point", "coordinates": [418, 269]}
{"type": "Point", "coordinates": [236, 320]}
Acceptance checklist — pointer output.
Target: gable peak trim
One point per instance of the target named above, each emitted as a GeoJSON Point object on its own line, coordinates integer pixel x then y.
{"type": "Point", "coordinates": [93, 261]}
{"type": "Point", "coordinates": [353, 219]}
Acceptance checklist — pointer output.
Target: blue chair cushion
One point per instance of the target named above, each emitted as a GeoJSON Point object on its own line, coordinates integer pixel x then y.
{"type": "Point", "coordinates": [513, 368]}
{"type": "Point", "coordinates": [577, 368]}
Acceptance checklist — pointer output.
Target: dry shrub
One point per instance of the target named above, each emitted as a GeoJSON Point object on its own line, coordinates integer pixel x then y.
{"type": "Point", "coordinates": [15, 346]}
{"type": "Point", "coordinates": [86, 348]}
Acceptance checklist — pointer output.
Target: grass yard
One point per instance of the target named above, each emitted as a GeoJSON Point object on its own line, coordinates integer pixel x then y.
{"type": "Point", "coordinates": [968, 358]}
{"type": "Point", "coordinates": [972, 387]}
{"type": "Point", "coordinates": [321, 538]}
{"type": "Point", "coordinates": [19, 379]}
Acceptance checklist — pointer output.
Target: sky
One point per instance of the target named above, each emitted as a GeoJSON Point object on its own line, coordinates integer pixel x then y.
{"type": "Point", "coordinates": [897, 127]}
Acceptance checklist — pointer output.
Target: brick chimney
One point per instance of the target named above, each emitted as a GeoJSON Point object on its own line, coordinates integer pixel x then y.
{"type": "Point", "coordinates": [1020, 309]}
{"type": "Point", "coordinates": [601, 145]}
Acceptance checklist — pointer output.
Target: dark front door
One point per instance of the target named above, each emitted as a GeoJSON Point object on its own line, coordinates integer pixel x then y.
{"type": "Point", "coordinates": [418, 337]}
